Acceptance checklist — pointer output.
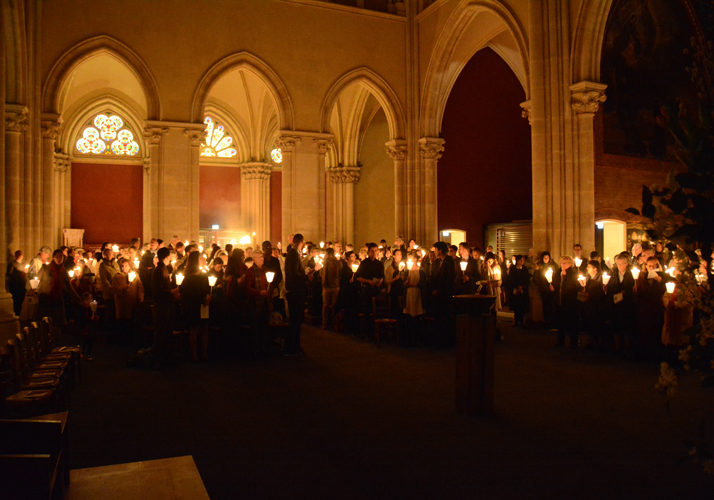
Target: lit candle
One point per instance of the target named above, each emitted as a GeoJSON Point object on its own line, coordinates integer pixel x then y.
{"type": "Point", "coordinates": [581, 279]}
{"type": "Point", "coordinates": [418, 264]}
{"type": "Point", "coordinates": [423, 252]}
{"type": "Point", "coordinates": [401, 266]}
{"type": "Point", "coordinates": [132, 276]}
{"type": "Point", "coordinates": [578, 261]}
{"type": "Point", "coordinates": [212, 281]}
{"type": "Point", "coordinates": [635, 272]}
{"type": "Point", "coordinates": [354, 267]}
{"type": "Point", "coordinates": [416, 247]}
{"type": "Point", "coordinates": [322, 244]}
{"type": "Point", "coordinates": [34, 283]}
{"type": "Point", "coordinates": [71, 273]}
{"type": "Point", "coordinates": [179, 279]}
{"type": "Point", "coordinates": [93, 306]}
{"type": "Point", "coordinates": [549, 275]}
{"type": "Point", "coordinates": [410, 264]}
{"type": "Point", "coordinates": [269, 276]}
{"type": "Point", "coordinates": [304, 250]}
{"type": "Point", "coordinates": [115, 248]}
{"type": "Point", "coordinates": [670, 271]}
{"type": "Point", "coordinates": [173, 262]}
{"type": "Point", "coordinates": [670, 287]}
{"type": "Point", "coordinates": [200, 248]}
{"type": "Point", "coordinates": [136, 263]}
{"type": "Point", "coordinates": [463, 265]}
{"type": "Point", "coordinates": [337, 255]}
{"type": "Point", "coordinates": [27, 266]}
{"type": "Point", "coordinates": [605, 278]}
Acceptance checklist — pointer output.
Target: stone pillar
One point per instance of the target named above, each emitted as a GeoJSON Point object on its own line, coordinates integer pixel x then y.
{"type": "Point", "coordinates": [52, 200]}
{"type": "Point", "coordinates": [195, 137]}
{"type": "Point", "coordinates": [344, 180]}
{"type": "Point", "coordinates": [255, 199]}
{"type": "Point", "coordinates": [15, 118]}
{"type": "Point", "coordinates": [61, 193]}
{"type": "Point", "coordinates": [397, 151]}
{"type": "Point", "coordinates": [585, 100]}
{"type": "Point", "coordinates": [303, 183]}
{"type": "Point", "coordinates": [430, 149]}
{"type": "Point", "coordinates": [152, 182]}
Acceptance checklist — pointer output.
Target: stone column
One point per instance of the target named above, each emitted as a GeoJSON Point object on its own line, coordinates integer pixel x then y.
{"type": "Point", "coordinates": [255, 199]}
{"type": "Point", "coordinates": [152, 182]}
{"type": "Point", "coordinates": [344, 180]}
{"type": "Point", "coordinates": [52, 201]}
{"type": "Point", "coordinates": [195, 136]}
{"type": "Point", "coordinates": [397, 151]}
{"type": "Point", "coordinates": [323, 146]}
{"type": "Point", "coordinates": [287, 144]}
{"type": "Point", "coordinates": [61, 193]}
{"type": "Point", "coordinates": [15, 118]}
{"type": "Point", "coordinates": [430, 149]}
{"type": "Point", "coordinates": [585, 100]}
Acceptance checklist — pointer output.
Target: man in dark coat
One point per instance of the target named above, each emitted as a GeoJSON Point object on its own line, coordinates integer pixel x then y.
{"type": "Point", "coordinates": [518, 280]}
{"type": "Point", "coordinates": [442, 291]}
{"type": "Point", "coordinates": [296, 281]}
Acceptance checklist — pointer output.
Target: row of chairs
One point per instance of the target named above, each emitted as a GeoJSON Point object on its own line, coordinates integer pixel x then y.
{"type": "Point", "coordinates": [36, 374]}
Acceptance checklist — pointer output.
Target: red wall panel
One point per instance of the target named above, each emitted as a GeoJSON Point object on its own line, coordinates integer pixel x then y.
{"type": "Point", "coordinates": [484, 175]}
{"type": "Point", "coordinates": [107, 202]}
{"type": "Point", "coordinates": [276, 208]}
{"type": "Point", "coordinates": [219, 197]}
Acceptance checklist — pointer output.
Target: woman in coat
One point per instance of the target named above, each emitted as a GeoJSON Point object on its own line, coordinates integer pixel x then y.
{"type": "Point", "coordinates": [567, 306]}
{"type": "Point", "coordinates": [195, 295]}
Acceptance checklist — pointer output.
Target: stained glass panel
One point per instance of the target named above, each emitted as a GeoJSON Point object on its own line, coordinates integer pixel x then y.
{"type": "Point", "coordinates": [108, 128]}
{"type": "Point", "coordinates": [217, 142]}
{"type": "Point", "coordinates": [276, 155]}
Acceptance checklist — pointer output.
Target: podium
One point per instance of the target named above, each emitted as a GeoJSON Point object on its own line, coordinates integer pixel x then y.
{"type": "Point", "coordinates": [475, 354]}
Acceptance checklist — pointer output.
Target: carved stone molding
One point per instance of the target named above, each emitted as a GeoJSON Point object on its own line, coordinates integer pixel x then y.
{"type": "Point", "coordinates": [256, 170]}
{"type": "Point", "coordinates": [397, 149]}
{"type": "Point", "coordinates": [343, 175]}
{"type": "Point", "coordinates": [146, 163]}
{"type": "Point", "coordinates": [323, 145]}
{"type": "Point", "coordinates": [195, 136]}
{"type": "Point", "coordinates": [288, 142]}
{"type": "Point", "coordinates": [526, 111]}
{"type": "Point", "coordinates": [430, 148]}
{"type": "Point", "coordinates": [61, 162]}
{"type": "Point", "coordinates": [153, 135]}
{"type": "Point", "coordinates": [15, 118]}
{"type": "Point", "coordinates": [587, 96]}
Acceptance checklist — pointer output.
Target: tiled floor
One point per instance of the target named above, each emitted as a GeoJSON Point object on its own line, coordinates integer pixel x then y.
{"type": "Point", "coordinates": [166, 479]}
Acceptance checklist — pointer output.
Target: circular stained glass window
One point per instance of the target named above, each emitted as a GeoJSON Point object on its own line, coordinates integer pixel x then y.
{"type": "Point", "coordinates": [217, 142]}
{"type": "Point", "coordinates": [107, 128]}
{"type": "Point", "coordinates": [276, 155]}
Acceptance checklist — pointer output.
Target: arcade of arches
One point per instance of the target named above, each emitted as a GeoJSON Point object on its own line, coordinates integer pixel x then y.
{"type": "Point", "coordinates": [402, 119]}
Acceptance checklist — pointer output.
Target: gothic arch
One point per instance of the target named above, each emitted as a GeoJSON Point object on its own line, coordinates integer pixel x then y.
{"type": "Point", "coordinates": [446, 64]}
{"type": "Point", "coordinates": [589, 35]}
{"type": "Point", "coordinates": [378, 87]}
{"type": "Point", "coordinates": [15, 42]}
{"type": "Point", "coordinates": [86, 49]}
{"type": "Point", "coordinates": [260, 69]}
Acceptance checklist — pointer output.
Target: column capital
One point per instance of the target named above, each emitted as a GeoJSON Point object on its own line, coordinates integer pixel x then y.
{"type": "Point", "coordinates": [345, 175]}
{"type": "Point", "coordinates": [195, 136]}
{"type": "Point", "coordinates": [430, 148]}
{"type": "Point", "coordinates": [323, 145]}
{"type": "Point", "coordinates": [397, 149]}
{"type": "Point", "coordinates": [146, 163]}
{"type": "Point", "coordinates": [15, 117]}
{"type": "Point", "coordinates": [255, 170]}
{"type": "Point", "coordinates": [585, 97]}
{"type": "Point", "coordinates": [526, 107]}
{"type": "Point", "coordinates": [153, 135]}
{"type": "Point", "coordinates": [288, 142]}
{"type": "Point", "coordinates": [61, 162]}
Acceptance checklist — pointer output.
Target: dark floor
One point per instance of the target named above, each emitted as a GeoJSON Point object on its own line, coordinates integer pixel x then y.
{"type": "Point", "coordinates": [351, 420]}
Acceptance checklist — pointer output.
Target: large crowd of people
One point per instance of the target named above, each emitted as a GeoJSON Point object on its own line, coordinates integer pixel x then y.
{"type": "Point", "coordinates": [236, 299]}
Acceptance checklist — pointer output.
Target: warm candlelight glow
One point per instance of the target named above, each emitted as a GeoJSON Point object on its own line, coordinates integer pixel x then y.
{"type": "Point", "coordinates": [605, 278]}
{"type": "Point", "coordinates": [635, 272]}
{"type": "Point", "coordinates": [354, 267]}
{"type": "Point", "coordinates": [581, 279]}
{"type": "Point", "coordinates": [269, 276]}
{"type": "Point", "coordinates": [34, 283]}
{"type": "Point", "coordinates": [245, 240]}
{"type": "Point", "coordinates": [132, 276]}
{"type": "Point", "coordinates": [463, 265]}
{"type": "Point", "coordinates": [93, 306]}
{"type": "Point", "coordinates": [179, 279]}
{"type": "Point", "coordinates": [337, 255]}
{"type": "Point", "coordinates": [670, 271]}
{"type": "Point", "coordinates": [423, 252]}
{"type": "Point", "coordinates": [115, 248]}
{"type": "Point", "coordinates": [549, 275]}
{"type": "Point", "coordinates": [200, 248]}
{"type": "Point", "coordinates": [212, 280]}
{"type": "Point", "coordinates": [136, 263]}
{"type": "Point", "coordinates": [71, 273]}
{"type": "Point", "coordinates": [401, 266]}
{"type": "Point", "coordinates": [578, 261]}
{"type": "Point", "coordinates": [410, 264]}
{"type": "Point", "coordinates": [670, 287]}
{"type": "Point", "coordinates": [27, 266]}
{"type": "Point", "coordinates": [322, 244]}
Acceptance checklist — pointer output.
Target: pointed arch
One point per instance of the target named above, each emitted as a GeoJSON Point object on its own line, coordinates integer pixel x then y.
{"type": "Point", "coordinates": [70, 60]}
{"type": "Point", "coordinates": [589, 34]}
{"type": "Point", "coordinates": [379, 88]}
{"type": "Point", "coordinates": [447, 60]}
{"type": "Point", "coordinates": [251, 63]}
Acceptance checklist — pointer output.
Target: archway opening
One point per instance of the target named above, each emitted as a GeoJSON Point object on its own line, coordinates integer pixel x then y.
{"type": "Point", "coordinates": [484, 174]}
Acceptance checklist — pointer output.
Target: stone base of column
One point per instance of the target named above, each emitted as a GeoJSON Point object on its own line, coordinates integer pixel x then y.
{"type": "Point", "coordinates": [9, 324]}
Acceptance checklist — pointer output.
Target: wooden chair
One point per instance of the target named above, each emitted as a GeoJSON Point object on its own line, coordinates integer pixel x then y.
{"type": "Point", "coordinates": [34, 457]}
{"type": "Point", "coordinates": [49, 338]}
{"type": "Point", "coordinates": [40, 354]}
{"type": "Point", "coordinates": [382, 312]}
{"type": "Point", "coordinates": [22, 395]}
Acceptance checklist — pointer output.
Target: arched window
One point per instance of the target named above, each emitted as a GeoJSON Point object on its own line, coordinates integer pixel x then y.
{"type": "Point", "coordinates": [217, 141]}
{"type": "Point", "coordinates": [107, 135]}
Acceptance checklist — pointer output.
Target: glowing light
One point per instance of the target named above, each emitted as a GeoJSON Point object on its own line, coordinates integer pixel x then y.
{"type": "Point", "coordinates": [217, 142]}
{"type": "Point", "coordinates": [276, 155]}
{"type": "Point", "coordinates": [578, 261]}
{"type": "Point", "coordinates": [179, 279]}
{"type": "Point", "coordinates": [212, 281]}
{"type": "Point", "coordinates": [670, 287]}
{"type": "Point", "coordinates": [549, 275]}
{"type": "Point", "coordinates": [605, 278]}
{"type": "Point", "coordinates": [354, 267]}
{"type": "Point", "coordinates": [71, 274]}
{"type": "Point", "coordinates": [245, 240]}
{"type": "Point", "coordinates": [269, 276]}
{"type": "Point", "coordinates": [132, 276]}
{"type": "Point", "coordinates": [635, 272]}
{"type": "Point", "coordinates": [34, 283]}
{"type": "Point", "coordinates": [463, 265]}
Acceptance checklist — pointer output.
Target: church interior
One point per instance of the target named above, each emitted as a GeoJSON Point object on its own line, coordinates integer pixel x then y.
{"type": "Point", "coordinates": [523, 125]}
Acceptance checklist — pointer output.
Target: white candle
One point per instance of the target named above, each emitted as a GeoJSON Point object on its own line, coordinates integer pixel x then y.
{"type": "Point", "coordinates": [605, 278]}
{"type": "Point", "coordinates": [269, 276]}
{"type": "Point", "coordinates": [670, 287]}
{"type": "Point", "coordinates": [410, 264]}
{"type": "Point", "coordinates": [93, 306]}
{"type": "Point", "coordinates": [549, 275]}
{"type": "Point", "coordinates": [115, 248]}
{"type": "Point", "coordinates": [27, 266]}
{"type": "Point", "coordinates": [322, 244]}
{"type": "Point", "coordinates": [132, 276]}
{"type": "Point", "coordinates": [670, 271]}
{"type": "Point", "coordinates": [581, 279]}
{"type": "Point", "coordinates": [401, 266]}
{"type": "Point", "coordinates": [354, 267]}
{"type": "Point", "coordinates": [34, 283]}
{"type": "Point", "coordinates": [635, 272]}
{"type": "Point", "coordinates": [71, 273]}
{"type": "Point", "coordinates": [463, 265]}
{"type": "Point", "coordinates": [578, 261]}
{"type": "Point", "coordinates": [136, 263]}
{"type": "Point", "coordinates": [179, 279]}
{"type": "Point", "coordinates": [212, 281]}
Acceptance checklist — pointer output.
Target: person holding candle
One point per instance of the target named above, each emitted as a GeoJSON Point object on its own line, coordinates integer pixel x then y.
{"type": "Point", "coordinates": [259, 292]}
{"type": "Point", "coordinates": [54, 286]}
{"type": "Point", "coordinates": [164, 297]}
{"type": "Point", "coordinates": [195, 296]}
{"type": "Point", "coordinates": [394, 277]}
{"type": "Point", "coordinates": [467, 280]}
{"type": "Point", "coordinates": [518, 280]}
{"type": "Point", "coordinates": [127, 291]}
{"type": "Point", "coordinates": [42, 258]}
{"type": "Point", "coordinates": [594, 305]}
{"type": "Point", "coordinates": [16, 281]}
{"type": "Point", "coordinates": [567, 305]}
{"type": "Point", "coordinates": [649, 290]}
{"type": "Point", "coordinates": [544, 279]}
{"type": "Point", "coordinates": [620, 290]}
{"type": "Point", "coordinates": [370, 275]}
{"type": "Point", "coordinates": [442, 292]}
{"type": "Point", "coordinates": [272, 264]}
{"type": "Point", "coordinates": [330, 276]}
{"type": "Point", "coordinates": [107, 270]}
{"type": "Point", "coordinates": [581, 263]}
{"type": "Point", "coordinates": [679, 317]}
{"type": "Point", "coordinates": [296, 282]}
